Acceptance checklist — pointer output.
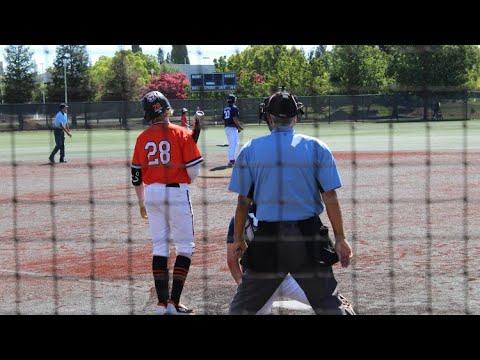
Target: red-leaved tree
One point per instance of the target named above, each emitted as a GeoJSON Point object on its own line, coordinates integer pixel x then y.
{"type": "Point", "coordinates": [173, 86]}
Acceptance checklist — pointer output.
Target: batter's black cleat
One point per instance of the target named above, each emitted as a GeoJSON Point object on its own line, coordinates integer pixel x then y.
{"type": "Point", "coordinates": [178, 309]}
{"type": "Point", "coordinates": [63, 161]}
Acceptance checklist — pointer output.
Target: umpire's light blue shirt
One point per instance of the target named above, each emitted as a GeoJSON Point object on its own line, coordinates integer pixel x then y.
{"type": "Point", "coordinates": [287, 171]}
{"type": "Point", "coordinates": [60, 119]}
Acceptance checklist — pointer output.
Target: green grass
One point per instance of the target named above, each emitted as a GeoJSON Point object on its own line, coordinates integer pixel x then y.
{"type": "Point", "coordinates": [447, 135]}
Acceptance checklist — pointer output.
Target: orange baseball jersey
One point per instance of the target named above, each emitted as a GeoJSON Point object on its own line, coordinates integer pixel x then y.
{"type": "Point", "coordinates": [164, 151]}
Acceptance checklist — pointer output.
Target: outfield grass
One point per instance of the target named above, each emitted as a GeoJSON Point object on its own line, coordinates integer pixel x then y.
{"type": "Point", "coordinates": [447, 135]}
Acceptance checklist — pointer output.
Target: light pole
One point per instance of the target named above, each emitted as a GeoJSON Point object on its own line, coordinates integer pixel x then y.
{"type": "Point", "coordinates": [65, 78]}
{"type": "Point", "coordinates": [43, 83]}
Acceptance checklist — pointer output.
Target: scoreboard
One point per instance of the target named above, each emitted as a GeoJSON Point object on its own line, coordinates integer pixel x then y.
{"type": "Point", "coordinates": [213, 82]}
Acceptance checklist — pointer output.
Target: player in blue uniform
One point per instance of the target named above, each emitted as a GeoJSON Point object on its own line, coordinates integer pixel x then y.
{"type": "Point", "coordinates": [232, 128]}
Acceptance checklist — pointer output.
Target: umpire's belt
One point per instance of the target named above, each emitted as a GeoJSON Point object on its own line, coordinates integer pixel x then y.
{"type": "Point", "coordinates": [283, 244]}
{"type": "Point", "coordinates": [281, 224]}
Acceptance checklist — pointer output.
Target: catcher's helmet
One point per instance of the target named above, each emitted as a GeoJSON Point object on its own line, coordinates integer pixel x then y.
{"type": "Point", "coordinates": [154, 104]}
{"type": "Point", "coordinates": [284, 105]}
{"type": "Point", "coordinates": [231, 98]}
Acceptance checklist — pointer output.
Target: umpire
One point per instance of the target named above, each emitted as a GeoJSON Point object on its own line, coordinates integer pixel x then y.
{"type": "Point", "coordinates": [60, 126]}
{"type": "Point", "coordinates": [290, 175]}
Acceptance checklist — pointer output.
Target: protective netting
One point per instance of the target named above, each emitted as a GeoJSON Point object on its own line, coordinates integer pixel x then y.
{"type": "Point", "coordinates": [72, 240]}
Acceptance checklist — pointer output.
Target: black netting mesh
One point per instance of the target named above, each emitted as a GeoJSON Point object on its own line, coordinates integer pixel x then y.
{"type": "Point", "coordinates": [73, 241]}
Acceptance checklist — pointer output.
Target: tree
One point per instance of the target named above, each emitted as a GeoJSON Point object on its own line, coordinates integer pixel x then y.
{"type": "Point", "coordinates": [318, 78]}
{"type": "Point", "coordinates": [275, 65]}
{"type": "Point", "coordinates": [79, 86]}
{"type": "Point", "coordinates": [426, 70]}
{"type": "Point", "coordinates": [318, 52]}
{"type": "Point", "coordinates": [179, 54]}
{"type": "Point", "coordinates": [19, 79]}
{"type": "Point", "coordinates": [173, 86]}
{"type": "Point", "coordinates": [138, 69]}
{"type": "Point", "coordinates": [121, 77]}
{"type": "Point", "coordinates": [99, 74]}
{"type": "Point", "coordinates": [136, 48]}
{"type": "Point", "coordinates": [357, 69]}
{"type": "Point", "coordinates": [220, 64]}
{"type": "Point", "coordinates": [160, 56]}
{"type": "Point", "coordinates": [168, 58]}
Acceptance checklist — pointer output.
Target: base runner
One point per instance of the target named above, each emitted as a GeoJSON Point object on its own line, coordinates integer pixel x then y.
{"type": "Point", "coordinates": [165, 161]}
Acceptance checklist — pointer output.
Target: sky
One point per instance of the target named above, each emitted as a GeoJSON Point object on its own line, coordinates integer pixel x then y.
{"type": "Point", "coordinates": [44, 55]}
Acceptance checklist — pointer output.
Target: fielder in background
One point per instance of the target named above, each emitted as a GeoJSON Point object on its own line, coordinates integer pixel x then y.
{"type": "Point", "coordinates": [60, 127]}
{"type": "Point", "coordinates": [288, 175]}
{"type": "Point", "coordinates": [232, 128]}
{"type": "Point", "coordinates": [165, 161]}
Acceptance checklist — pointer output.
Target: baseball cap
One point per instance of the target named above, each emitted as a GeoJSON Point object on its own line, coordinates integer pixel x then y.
{"type": "Point", "coordinates": [63, 105]}
{"type": "Point", "coordinates": [283, 105]}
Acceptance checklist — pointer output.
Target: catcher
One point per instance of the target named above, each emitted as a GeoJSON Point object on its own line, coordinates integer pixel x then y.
{"type": "Point", "coordinates": [289, 288]}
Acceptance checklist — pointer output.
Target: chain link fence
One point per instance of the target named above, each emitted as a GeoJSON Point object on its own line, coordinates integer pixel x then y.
{"type": "Point", "coordinates": [329, 108]}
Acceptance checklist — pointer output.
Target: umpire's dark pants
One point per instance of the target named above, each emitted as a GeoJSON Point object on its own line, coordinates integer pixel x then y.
{"type": "Point", "coordinates": [59, 144]}
{"type": "Point", "coordinates": [288, 247]}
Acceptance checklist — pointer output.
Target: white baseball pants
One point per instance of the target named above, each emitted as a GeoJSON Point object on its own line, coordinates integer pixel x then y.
{"type": "Point", "coordinates": [170, 219]}
{"type": "Point", "coordinates": [232, 138]}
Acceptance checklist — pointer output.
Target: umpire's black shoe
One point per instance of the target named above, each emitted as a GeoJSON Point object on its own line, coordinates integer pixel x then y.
{"type": "Point", "coordinates": [63, 161]}
{"type": "Point", "coordinates": [51, 160]}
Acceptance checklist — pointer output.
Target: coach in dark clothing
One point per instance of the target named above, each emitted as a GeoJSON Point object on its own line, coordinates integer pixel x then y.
{"type": "Point", "coordinates": [290, 174]}
{"type": "Point", "coordinates": [60, 127]}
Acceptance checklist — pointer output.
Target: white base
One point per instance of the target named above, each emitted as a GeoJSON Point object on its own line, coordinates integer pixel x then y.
{"type": "Point", "coordinates": [291, 305]}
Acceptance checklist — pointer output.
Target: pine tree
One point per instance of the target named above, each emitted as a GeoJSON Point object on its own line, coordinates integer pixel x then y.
{"type": "Point", "coordinates": [160, 56]}
{"type": "Point", "coordinates": [136, 48]}
{"type": "Point", "coordinates": [19, 81]}
{"type": "Point", "coordinates": [180, 54]}
{"type": "Point", "coordinates": [78, 80]}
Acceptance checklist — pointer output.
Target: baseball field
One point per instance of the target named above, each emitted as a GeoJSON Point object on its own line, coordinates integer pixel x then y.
{"type": "Point", "coordinates": [72, 240]}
